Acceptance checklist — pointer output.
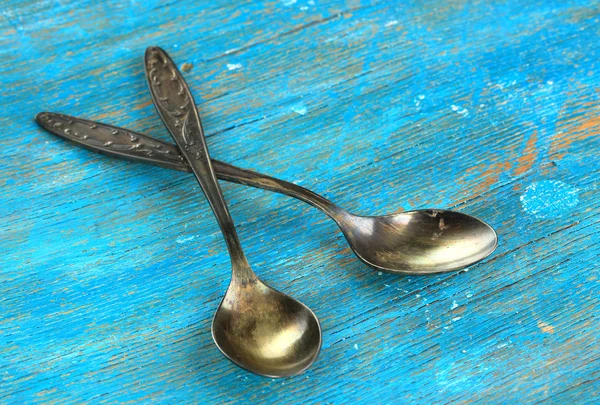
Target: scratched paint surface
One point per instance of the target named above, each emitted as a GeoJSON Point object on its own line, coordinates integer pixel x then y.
{"type": "Point", "coordinates": [111, 271]}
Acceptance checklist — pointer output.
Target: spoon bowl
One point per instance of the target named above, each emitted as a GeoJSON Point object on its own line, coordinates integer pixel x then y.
{"type": "Point", "coordinates": [418, 242]}
{"type": "Point", "coordinates": [265, 331]}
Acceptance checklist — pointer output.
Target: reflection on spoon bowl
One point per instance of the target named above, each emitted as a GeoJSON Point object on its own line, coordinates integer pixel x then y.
{"type": "Point", "coordinates": [419, 242]}
{"type": "Point", "coordinates": [265, 331]}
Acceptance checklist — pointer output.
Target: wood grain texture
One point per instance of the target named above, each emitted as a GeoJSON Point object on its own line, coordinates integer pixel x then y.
{"type": "Point", "coordinates": [111, 271]}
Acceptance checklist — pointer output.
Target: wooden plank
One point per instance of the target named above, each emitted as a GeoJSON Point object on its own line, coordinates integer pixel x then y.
{"type": "Point", "coordinates": [112, 271]}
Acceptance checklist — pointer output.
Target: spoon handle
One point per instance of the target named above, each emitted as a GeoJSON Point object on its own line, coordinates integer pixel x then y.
{"type": "Point", "coordinates": [113, 141]}
{"type": "Point", "coordinates": [175, 105]}
{"type": "Point", "coordinates": [133, 146]}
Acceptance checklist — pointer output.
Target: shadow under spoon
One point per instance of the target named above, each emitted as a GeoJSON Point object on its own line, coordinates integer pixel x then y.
{"type": "Point", "coordinates": [258, 328]}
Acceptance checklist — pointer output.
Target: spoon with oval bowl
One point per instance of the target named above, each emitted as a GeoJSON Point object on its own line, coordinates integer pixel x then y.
{"type": "Point", "coordinates": [414, 242]}
{"type": "Point", "coordinates": [258, 328]}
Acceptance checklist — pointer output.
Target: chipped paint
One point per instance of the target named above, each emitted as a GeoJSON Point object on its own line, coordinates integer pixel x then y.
{"type": "Point", "coordinates": [545, 327]}
{"type": "Point", "coordinates": [234, 66]}
{"type": "Point", "coordinates": [184, 239]}
{"type": "Point", "coordinates": [300, 109]}
{"type": "Point", "coordinates": [459, 110]}
{"type": "Point", "coordinates": [529, 155]}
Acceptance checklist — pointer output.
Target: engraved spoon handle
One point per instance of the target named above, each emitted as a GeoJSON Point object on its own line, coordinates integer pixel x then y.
{"type": "Point", "coordinates": [129, 145]}
{"type": "Point", "coordinates": [175, 105]}
{"type": "Point", "coordinates": [113, 141]}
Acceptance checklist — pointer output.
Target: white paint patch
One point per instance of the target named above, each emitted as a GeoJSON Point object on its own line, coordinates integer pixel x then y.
{"type": "Point", "coordinates": [70, 177]}
{"type": "Point", "coordinates": [459, 110]}
{"type": "Point", "coordinates": [234, 66]}
{"type": "Point", "coordinates": [549, 82]}
{"type": "Point", "coordinates": [454, 305]}
{"type": "Point", "coordinates": [300, 109]}
{"type": "Point", "coordinates": [355, 346]}
{"type": "Point", "coordinates": [503, 85]}
{"type": "Point", "coordinates": [185, 239]}
{"type": "Point", "coordinates": [418, 100]}
{"type": "Point", "coordinates": [458, 318]}
{"type": "Point", "coordinates": [391, 23]}
{"type": "Point", "coordinates": [311, 2]}
{"type": "Point", "coordinates": [549, 198]}
{"type": "Point", "coordinates": [288, 3]}
{"type": "Point", "coordinates": [304, 8]}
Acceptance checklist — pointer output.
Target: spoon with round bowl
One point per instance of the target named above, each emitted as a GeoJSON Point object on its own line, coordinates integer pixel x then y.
{"type": "Point", "coordinates": [414, 242]}
{"type": "Point", "coordinates": [258, 328]}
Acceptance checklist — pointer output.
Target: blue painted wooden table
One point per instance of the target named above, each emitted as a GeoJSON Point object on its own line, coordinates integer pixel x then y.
{"type": "Point", "coordinates": [111, 271]}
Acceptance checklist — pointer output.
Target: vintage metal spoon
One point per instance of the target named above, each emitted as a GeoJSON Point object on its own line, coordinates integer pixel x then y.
{"type": "Point", "coordinates": [414, 242]}
{"type": "Point", "coordinates": [257, 327]}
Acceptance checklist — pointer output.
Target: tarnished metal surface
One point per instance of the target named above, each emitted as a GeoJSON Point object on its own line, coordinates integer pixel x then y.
{"type": "Point", "coordinates": [257, 327]}
{"type": "Point", "coordinates": [414, 242]}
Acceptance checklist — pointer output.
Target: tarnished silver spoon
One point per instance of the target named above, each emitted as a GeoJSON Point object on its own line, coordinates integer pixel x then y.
{"type": "Point", "coordinates": [414, 242]}
{"type": "Point", "coordinates": [257, 327]}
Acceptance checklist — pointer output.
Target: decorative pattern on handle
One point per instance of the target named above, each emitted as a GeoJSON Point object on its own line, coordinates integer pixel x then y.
{"type": "Point", "coordinates": [91, 135]}
{"type": "Point", "coordinates": [174, 99]}
{"type": "Point", "coordinates": [109, 139]}
{"type": "Point", "coordinates": [176, 107]}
